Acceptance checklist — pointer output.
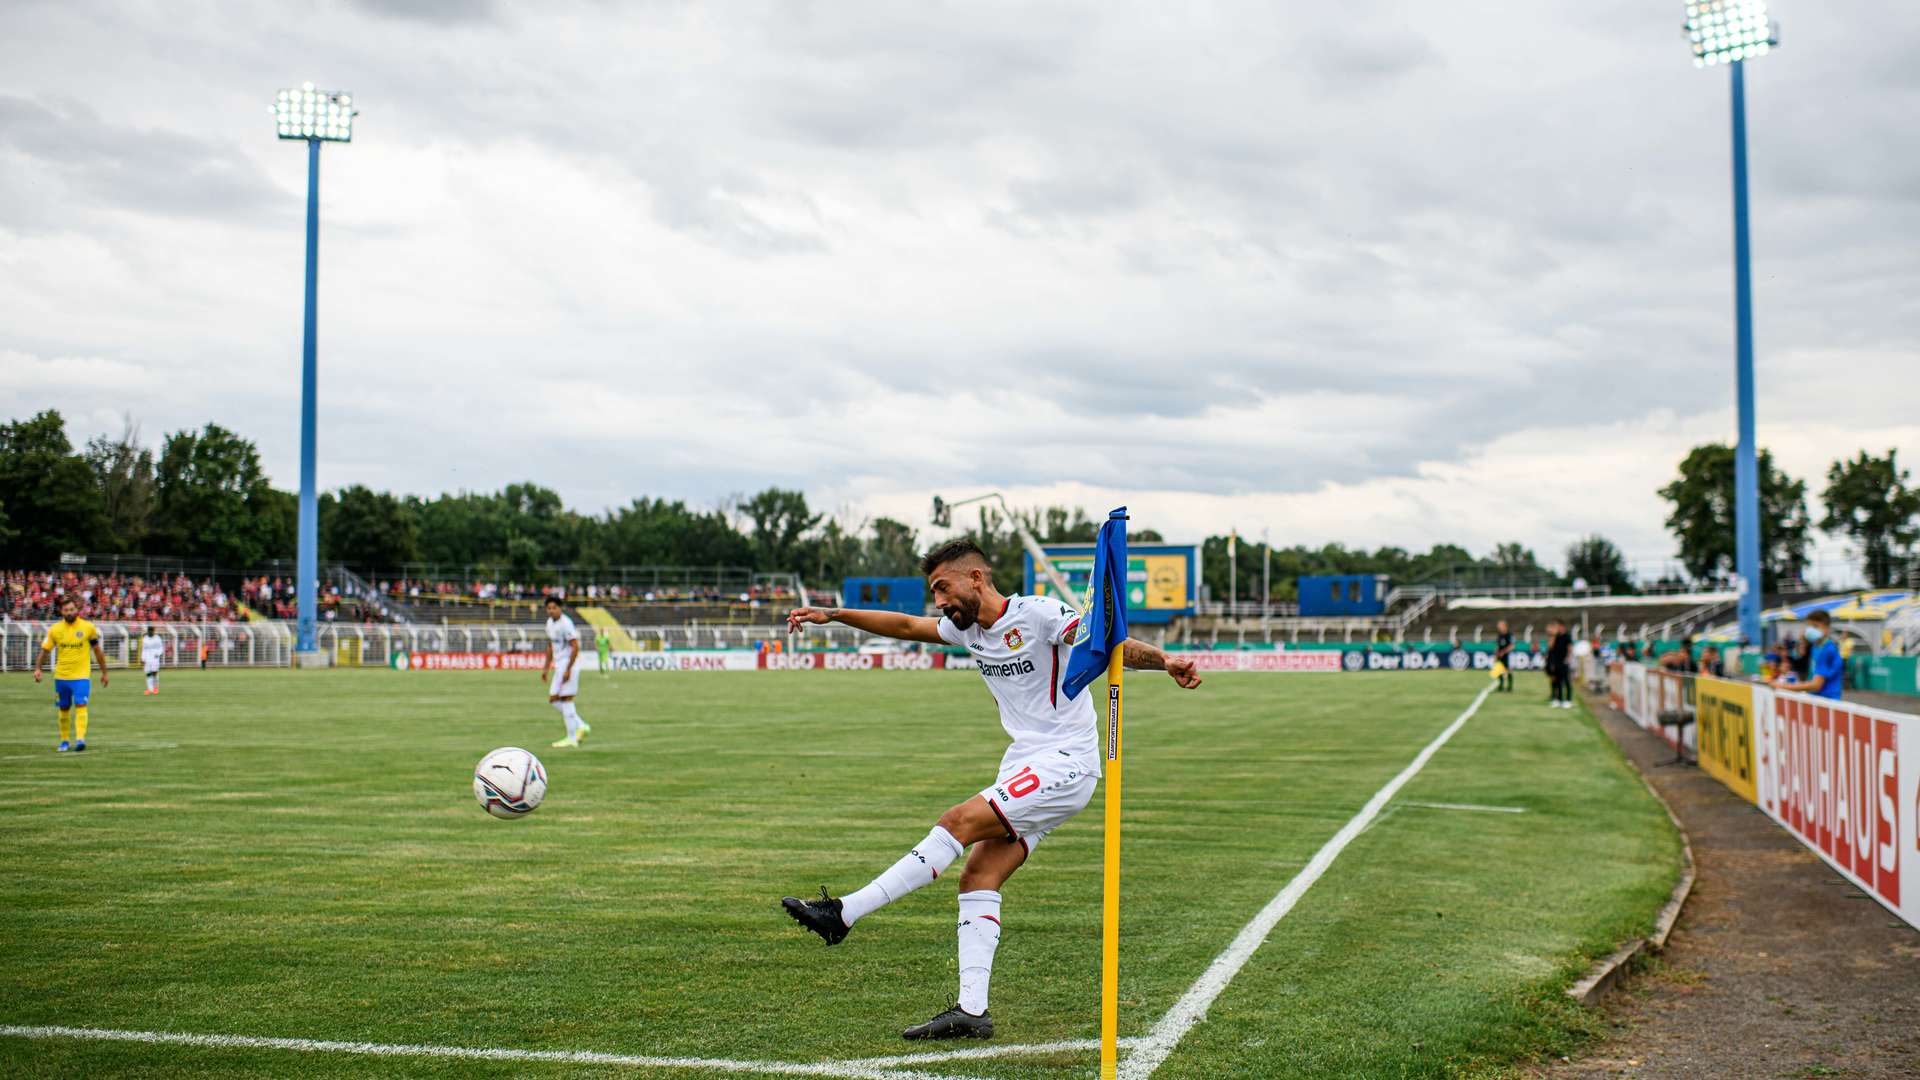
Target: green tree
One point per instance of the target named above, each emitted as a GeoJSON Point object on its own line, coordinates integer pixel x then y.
{"type": "Point", "coordinates": [892, 551]}
{"type": "Point", "coordinates": [372, 530]}
{"type": "Point", "coordinates": [49, 492]}
{"type": "Point", "coordinates": [1868, 500]}
{"type": "Point", "coordinates": [1595, 560]}
{"type": "Point", "coordinates": [211, 500]}
{"type": "Point", "coordinates": [834, 554]}
{"type": "Point", "coordinates": [1517, 563]}
{"type": "Point", "coordinates": [123, 471]}
{"type": "Point", "coordinates": [1702, 520]}
{"type": "Point", "coordinates": [657, 532]}
{"type": "Point", "coordinates": [779, 520]}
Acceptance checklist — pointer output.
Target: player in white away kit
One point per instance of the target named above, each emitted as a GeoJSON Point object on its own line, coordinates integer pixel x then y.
{"type": "Point", "coordinates": [562, 672]}
{"type": "Point", "coordinates": [1020, 644]}
{"type": "Point", "coordinates": [152, 651]}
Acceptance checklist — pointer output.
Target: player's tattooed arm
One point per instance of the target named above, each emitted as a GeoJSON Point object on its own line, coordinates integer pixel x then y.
{"type": "Point", "coordinates": [1139, 654]}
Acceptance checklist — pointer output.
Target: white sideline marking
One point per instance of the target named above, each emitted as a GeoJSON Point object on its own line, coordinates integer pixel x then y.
{"type": "Point", "coordinates": [1192, 1006]}
{"type": "Point", "coordinates": [1465, 806]}
{"type": "Point", "coordinates": [970, 1053]}
{"type": "Point", "coordinates": [849, 1070]}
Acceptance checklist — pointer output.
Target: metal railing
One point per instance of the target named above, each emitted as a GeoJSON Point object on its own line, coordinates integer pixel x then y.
{"type": "Point", "coordinates": [249, 644]}
{"type": "Point", "coordinates": [1703, 615]}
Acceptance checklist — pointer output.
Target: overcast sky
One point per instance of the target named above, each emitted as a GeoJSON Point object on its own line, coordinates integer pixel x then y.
{"type": "Point", "coordinates": [1371, 272]}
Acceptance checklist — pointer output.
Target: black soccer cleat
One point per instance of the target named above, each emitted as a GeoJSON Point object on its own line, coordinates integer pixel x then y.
{"type": "Point", "coordinates": [955, 1023]}
{"type": "Point", "coordinates": [821, 916]}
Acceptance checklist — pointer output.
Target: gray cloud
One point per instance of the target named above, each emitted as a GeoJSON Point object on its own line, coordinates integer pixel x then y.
{"type": "Point", "coordinates": [124, 167]}
{"type": "Point", "coordinates": [692, 249]}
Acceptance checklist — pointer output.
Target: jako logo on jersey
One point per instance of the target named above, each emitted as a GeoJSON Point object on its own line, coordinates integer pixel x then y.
{"type": "Point", "coordinates": [1006, 670]}
{"type": "Point", "coordinates": [1013, 639]}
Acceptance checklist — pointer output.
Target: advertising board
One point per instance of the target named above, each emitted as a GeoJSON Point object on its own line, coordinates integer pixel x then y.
{"type": "Point", "coordinates": [1844, 780]}
{"type": "Point", "coordinates": [1724, 715]}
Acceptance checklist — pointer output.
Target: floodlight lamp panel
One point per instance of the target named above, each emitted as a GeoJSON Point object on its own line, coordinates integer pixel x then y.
{"type": "Point", "coordinates": [306, 113]}
{"type": "Point", "coordinates": [1727, 31]}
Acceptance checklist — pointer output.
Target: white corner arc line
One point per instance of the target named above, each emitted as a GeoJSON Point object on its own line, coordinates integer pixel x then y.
{"type": "Point", "coordinates": [974, 1053]}
{"type": "Point", "coordinates": [846, 1070]}
{"type": "Point", "coordinates": [1192, 1006]}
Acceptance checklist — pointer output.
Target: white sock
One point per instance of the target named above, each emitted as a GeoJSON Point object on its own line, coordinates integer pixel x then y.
{"type": "Point", "coordinates": [916, 868]}
{"type": "Point", "coordinates": [153, 682]}
{"type": "Point", "coordinates": [563, 708]}
{"type": "Point", "coordinates": [979, 936]}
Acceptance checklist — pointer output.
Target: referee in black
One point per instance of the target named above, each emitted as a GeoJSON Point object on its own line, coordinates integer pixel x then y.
{"type": "Point", "coordinates": [1560, 665]}
{"type": "Point", "coordinates": [1503, 654]}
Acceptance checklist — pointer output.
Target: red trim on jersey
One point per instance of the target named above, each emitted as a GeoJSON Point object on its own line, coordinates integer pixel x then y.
{"type": "Point", "coordinates": [936, 873]}
{"type": "Point", "coordinates": [1004, 823]}
{"type": "Point", "coordinates": [1066, 634]}
{"type": "Point", "coordinates": [1025, 848]}
{"type": "Point", "coordinates": [992, 920]}
{"type": "Point", "coordinates": [1005, 603]}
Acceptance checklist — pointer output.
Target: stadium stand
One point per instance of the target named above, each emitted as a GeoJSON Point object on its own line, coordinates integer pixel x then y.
{"type": "Point", "coordinates": [1474, 618]}
{"type": "Point", "coordinates": [488, 601]}
{"type": "Point", "coordinates": [36, 595]}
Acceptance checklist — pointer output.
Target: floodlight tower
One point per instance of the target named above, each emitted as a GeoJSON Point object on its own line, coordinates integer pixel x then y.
{"type": "Point", "coordinates": [317, 116]}
{"type": "Point", "coordinates": [1732, 32]}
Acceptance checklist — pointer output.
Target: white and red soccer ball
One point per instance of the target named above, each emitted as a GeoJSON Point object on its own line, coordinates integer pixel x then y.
{"type": "Point", "coordinates": [510, 782]}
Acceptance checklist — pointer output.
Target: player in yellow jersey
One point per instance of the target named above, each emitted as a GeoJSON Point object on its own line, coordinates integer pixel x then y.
{"type": "Point", "coordinates": [70, 640]}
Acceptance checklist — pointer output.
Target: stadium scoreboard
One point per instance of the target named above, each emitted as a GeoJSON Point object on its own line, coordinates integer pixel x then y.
{"type": "Point", "coordinates": [1163, 580]}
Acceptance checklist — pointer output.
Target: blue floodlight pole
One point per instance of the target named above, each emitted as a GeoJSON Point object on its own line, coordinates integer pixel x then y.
{"type": "Point", "coordinates": [312, 116]}
{"type": "Point", "coordinates": [307, 565]}
{"type": "Point", "coordinates": [1746, 473]}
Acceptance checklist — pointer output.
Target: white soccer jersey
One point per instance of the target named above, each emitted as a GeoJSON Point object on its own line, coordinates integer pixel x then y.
{"type": "Point", "coordinates": [152, 651]}
{"type": "Point", "coordinates": [1023, 657]}
{"type": "Point", "coordinates": [559, 632]}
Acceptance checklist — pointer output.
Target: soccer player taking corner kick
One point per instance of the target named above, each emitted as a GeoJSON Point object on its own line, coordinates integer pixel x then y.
{"type": "Point", "coordinates": [561, 672]}
{"type": "Point", "coordinates": [1020, 644]}
{"type": "Point", "coordinates": [69, 641]}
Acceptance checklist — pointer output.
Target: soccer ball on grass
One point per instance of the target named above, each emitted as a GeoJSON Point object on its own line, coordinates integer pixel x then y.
{"type": "Point", "coordinates": [510, 782]}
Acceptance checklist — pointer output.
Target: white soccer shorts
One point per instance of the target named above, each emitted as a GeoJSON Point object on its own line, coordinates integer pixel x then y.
{"type": "Point", "coordinates": [153, 669]}
{"type": "Point", "coordinates": [564, 687]}
{"type": "Point", "coordinates": [1036, 795]}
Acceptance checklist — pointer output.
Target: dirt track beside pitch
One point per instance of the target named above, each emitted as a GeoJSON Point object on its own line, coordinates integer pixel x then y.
{"type": "Point", "coordinates": [1778, 967]}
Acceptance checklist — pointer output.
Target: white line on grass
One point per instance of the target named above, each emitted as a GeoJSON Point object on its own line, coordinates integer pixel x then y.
{"type": "Point", "coordinates": [1476, 807]}
{"type": "Point", "coordinates": [848, 1070]}
{"type": "Point", "coordinates": [971, 1053]}
{"type": "Point", "coordinates": [1192, 1006]}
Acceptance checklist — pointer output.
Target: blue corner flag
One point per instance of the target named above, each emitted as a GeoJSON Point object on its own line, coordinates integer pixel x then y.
{"type": "Point", "coordinates": [1104, 622]}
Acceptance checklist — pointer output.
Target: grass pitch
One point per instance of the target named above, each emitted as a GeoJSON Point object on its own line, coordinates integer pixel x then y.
{"type": "Point", "coordinates": [298, 854]}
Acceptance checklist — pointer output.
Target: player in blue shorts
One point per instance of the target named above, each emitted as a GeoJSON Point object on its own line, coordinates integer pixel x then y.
{"type": "Point", "coordinates": [75, 645]}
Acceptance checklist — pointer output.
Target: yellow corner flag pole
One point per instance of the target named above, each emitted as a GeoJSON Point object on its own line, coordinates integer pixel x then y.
{"type": "Point", "coordinates": [1110, 916]}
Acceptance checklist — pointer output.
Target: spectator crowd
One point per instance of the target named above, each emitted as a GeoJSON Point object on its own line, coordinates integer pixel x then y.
{"type": "Point", "coordinates": [27, 594]}
{"type": "Point", "coordinates": [483, 591]}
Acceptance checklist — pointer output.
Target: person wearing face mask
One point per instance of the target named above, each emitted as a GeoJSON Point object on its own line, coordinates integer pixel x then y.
{"type": "Point", "coordinates": [1825, 667]}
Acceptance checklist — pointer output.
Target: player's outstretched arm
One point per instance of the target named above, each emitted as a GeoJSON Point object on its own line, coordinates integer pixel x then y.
{"type": "Point", "coordinates": [1139, 654]}
{"type": "Point", "coordinates": [891, 624]}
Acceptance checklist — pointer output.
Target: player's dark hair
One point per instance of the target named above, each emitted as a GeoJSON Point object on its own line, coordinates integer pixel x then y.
{"type": "Point", "coordinates": [556, 598]}
{"type": "Point", "coordinates": [1820, 616]}
{"type": "Point", "coordinates": [951, 551]}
